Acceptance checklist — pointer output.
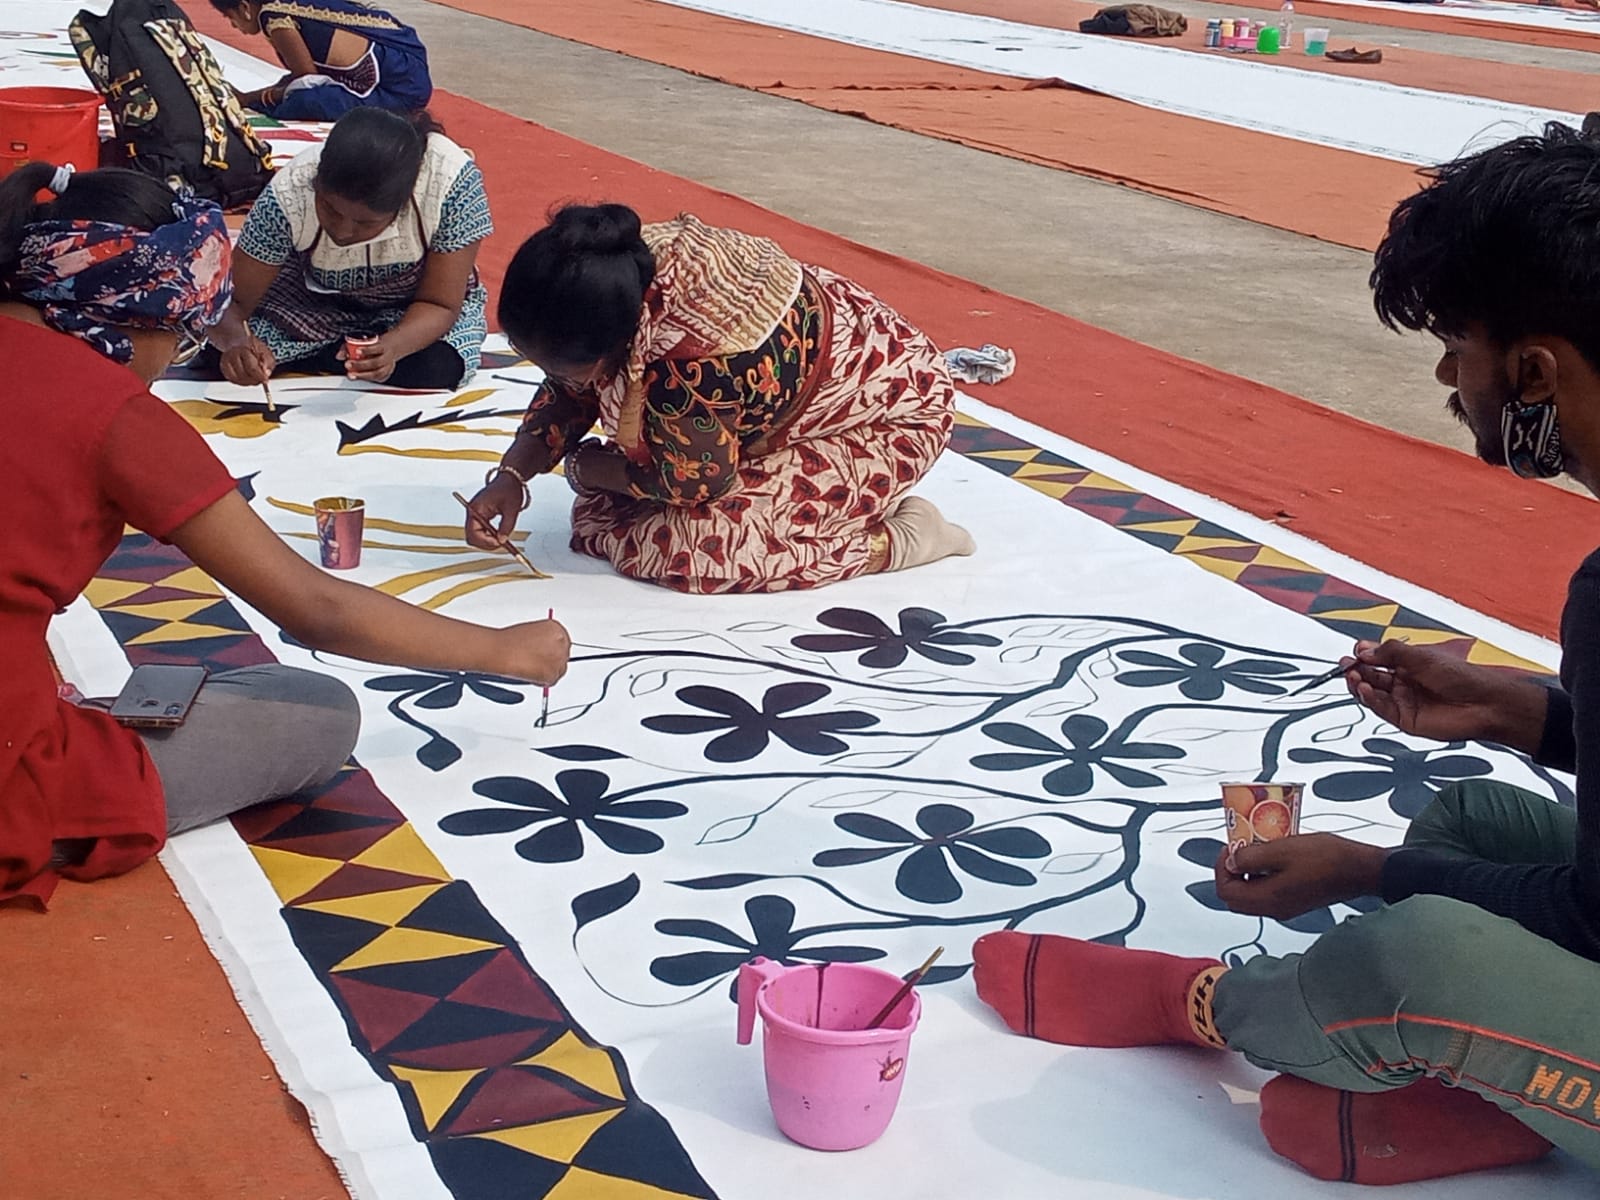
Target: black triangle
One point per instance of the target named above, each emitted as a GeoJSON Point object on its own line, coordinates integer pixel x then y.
{"type": "Point", "coordinates": [639, 1144]}
{"type": "Point", "coordinates": [455, 908]}
{"type": "Point", "coordinates": [436, 977]}
{"type": "Point", "coordinates": [327, 939]}
{"type": "Point", "coordinates": [489, 1170]}
{"type": "Point", "coordinates": [448, 1022]}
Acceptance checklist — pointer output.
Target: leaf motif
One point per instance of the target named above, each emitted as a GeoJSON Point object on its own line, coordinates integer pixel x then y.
{"type": "Point", "coordinates": [1206, 892]}
{"type": "Point", "coordinates": [1318, 920]}
{"type": "Point", "coordinates": [889, 703]}
{"type": "Point", "coordinates": [1335, 734]}
{"type": "Point", "coordinates": [714, 883]}
{"type": "Point", "coordinates": [851, 799]}
{"type": "Point", "coordinates": [1059, 708]}
{"type": "Point", "coordinates": [1190, 733]}
{"type": "Point", "coordinates": [650, 681]}
{"type": "Point", "coordinates": [438, 753]}
{"type": "Point", "coordinates": [943, 974]}
{"type": "Point", "coordinates": [757, 627]}
{"type": "Point", "coordinates": [729, 829]}
{"type": "Point", "coordinates": [1020, 654]}
{"type": "Point", "coordinates": [462, 399]}
{"type": "Point", "coordinates": [1072, 864]}
{"type": "Point", "coordinates": [1038, 631]}
{"type": "Point", "coordinates": [580, 753]}
{"type": "Point", "coordinates": [910, 678]}
{"type": "Point", "coordinates": [603, 901]}
{"type": "Point", "coordinates": [1202, 852]}
{"type": "Point", "coordinates": [874, 760]}
{"type": "Point", "coordinates": [1022, 737]}
{"type": "Point", "coordinates": [1195, 772]}
{"type": "Point", "coordinates": [800, 656]}
{"type": "Point", "coordinates": [402, 683]}
{"type": "Point", "coordinates": [668, 635]}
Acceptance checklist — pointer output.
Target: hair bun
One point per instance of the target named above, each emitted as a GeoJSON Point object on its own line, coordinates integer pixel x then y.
{"type": "Point", "coordinates": [599, 230]}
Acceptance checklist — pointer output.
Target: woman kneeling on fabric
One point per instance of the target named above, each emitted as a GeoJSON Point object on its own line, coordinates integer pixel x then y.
{"type": "Point", "coordinates": [767, 419]}
{"type": "Point", "coordinates": [97, 287]}
{"type": "Point", "coordinates": [374, 233]}
{"type": "Point", "coordinates": [339, 54]}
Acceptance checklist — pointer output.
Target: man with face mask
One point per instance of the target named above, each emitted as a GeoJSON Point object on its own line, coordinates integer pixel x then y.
{"type": "Point", "coordinates": [1449, 1030]}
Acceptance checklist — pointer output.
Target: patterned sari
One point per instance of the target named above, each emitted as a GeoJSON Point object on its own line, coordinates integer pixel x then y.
{"type": "Point", "coordinates": [772, 414]}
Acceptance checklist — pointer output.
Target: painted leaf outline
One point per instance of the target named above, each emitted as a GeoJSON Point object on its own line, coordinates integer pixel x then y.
{"type": "Point", "coordinates": [601, 902]}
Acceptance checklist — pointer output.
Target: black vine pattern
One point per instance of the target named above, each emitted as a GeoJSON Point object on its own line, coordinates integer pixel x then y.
{"type": "Point", "coordinates": [1042, 771]}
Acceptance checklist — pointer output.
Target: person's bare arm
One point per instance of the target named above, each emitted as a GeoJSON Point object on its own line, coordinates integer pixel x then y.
{"type": "Point", "coordinates": [235, 547]}
{"type": "Point", "coordinates": [430, 315]}
{"type": "Point", "coordinates": [246, 360]}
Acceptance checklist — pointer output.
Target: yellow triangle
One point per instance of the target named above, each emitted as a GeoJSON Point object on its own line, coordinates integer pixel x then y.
{"type": "Point", "coordinates": [1273, 558]}
{"type": "Point", "coordinates": [292, 874]}
{"type": "Point", "coordinates": [386, 908]}
{"type": "Point", "coordinates": [1024, 455]}
{"type": "Point", "coordinates": [1421, 637]}
{"type": "Point", "coordinates": [1181, 528]}
{"type": "Point", "coordinates": [1377, 614]}
{"type": "Point", "coordinates": [1492, 656]}
{"type": "Point", "coordinates": [411, 945]}
{"type": "Point", "coordinates": [559, 1140]}
{"type": "Point", "coordinates": [1228, 568]}
{"type": "Point", "coordinates": [589, 1065]}
{"type": "Point", "coordinates": [1105, 483]}
{"type": "Point", "coordinates": [1199, 545]}
{"type": "Point", "coordinates": [192, 579]}
{"type": "Point", "coordinates": [1031, 469]}
{"type": "Point", "coordinates": [180, 631]}
{"type": "Point", "coordinates": [103, 593]}
{"type": "Point", "coordinates": [578, 1184]}
{"type": "Point", "coordinates": [403, 851]}
{"type": "Point", "coordinates": [435, 1091]}
{"type": "Point", "coordinates": [168, 610]}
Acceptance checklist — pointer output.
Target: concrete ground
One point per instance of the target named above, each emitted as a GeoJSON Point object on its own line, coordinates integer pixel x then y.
{"type": "Point", "coordinates": [1269, 305]}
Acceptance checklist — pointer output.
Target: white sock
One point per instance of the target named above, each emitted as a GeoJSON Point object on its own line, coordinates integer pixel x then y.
{"type": "Point", "coordinates": [919, 534]}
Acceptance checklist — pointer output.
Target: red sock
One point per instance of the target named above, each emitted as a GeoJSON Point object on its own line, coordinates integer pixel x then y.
{"type": "Point", "coordinates": [1424, 1131]}
{"type": "Point", "coordinates": [1086, 994]}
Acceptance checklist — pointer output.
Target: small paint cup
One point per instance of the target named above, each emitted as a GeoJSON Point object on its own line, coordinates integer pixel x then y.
{"type": "Point", "coordinates": [356, 343]}
{"type": "Point", "coordinates": [1267, 40]}
{"type": "Point", "coordinates": [1316, 41]}
{"type": "Point", "coordinates": [1260, 812]}
{"type": "Point", "coordinates": [340, 521]}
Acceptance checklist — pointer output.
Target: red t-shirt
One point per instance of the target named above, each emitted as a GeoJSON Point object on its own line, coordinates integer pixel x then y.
{"type": "Point", "coordinates": [84, 450]}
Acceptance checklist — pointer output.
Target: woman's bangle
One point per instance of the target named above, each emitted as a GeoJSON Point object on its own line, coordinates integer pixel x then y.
{"type": "Point", "coordinates": [494, 473]}
{"type": "Point", "coordinates": [571, 468]}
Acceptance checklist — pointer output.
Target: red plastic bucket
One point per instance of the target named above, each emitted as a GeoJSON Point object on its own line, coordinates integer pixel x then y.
{"type": "Point", "coordinates": [54, 125]}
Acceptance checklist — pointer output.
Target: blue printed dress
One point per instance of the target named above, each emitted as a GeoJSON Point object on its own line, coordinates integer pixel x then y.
{"type": "Point", "coordinates": [324, 291]}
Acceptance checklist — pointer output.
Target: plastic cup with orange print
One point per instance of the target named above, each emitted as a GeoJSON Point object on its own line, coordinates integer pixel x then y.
{"type": "Point", "coordinates": [1260, 812]}
{"type": "Point", "coordinates": [340, 521]}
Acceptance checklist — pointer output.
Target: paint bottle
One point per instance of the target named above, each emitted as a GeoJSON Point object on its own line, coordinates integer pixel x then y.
{"type": "Point", "coordinates": [1213, 33]}
{"type": "Point", "coordinates": [1225, 31]}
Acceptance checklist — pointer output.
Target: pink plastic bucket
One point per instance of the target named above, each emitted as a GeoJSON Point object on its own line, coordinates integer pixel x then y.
{"type": "Point", "coordinates": [48, 124]}
{"type": "Point", "coordinates": [833, 1084]}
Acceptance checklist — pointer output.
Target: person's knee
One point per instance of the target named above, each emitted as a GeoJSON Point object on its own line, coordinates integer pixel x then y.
{"type": "Point", "coordinates": [338, 721]}
{"type": "Point", "coordinates": [1403, 954]}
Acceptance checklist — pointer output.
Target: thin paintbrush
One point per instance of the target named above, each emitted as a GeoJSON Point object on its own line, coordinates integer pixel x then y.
{"type": "Point", "coordinates": [1330, 675]}
{"type": "Point", "coordinates": [544, 700]}
{"type": "Point", "coordinates": [506, 543]}
{"type": "Point", "coordinates": [266, 390]}
{"type": "Point", "coordinates": [911, 981]}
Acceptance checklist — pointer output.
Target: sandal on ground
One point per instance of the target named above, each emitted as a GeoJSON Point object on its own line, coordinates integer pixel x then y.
{"type": "Point", "coordinates": [1353, 55]}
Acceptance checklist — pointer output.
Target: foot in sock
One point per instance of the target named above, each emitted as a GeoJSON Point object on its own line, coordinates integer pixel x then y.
{"type": "Point", "coordinates": [1424, 1131]}
{"type": "Point", "coordinates": [919, 534]}
{"type": "Point", "coordinates": [1087, 994]}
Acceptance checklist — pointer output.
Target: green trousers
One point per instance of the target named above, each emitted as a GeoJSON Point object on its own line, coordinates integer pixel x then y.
{"type": "Point", "coordinates": [1436, 987]}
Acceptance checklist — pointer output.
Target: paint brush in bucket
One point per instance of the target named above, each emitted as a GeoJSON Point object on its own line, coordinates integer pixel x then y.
{"type": "Point", "coordinates": [911, 981]}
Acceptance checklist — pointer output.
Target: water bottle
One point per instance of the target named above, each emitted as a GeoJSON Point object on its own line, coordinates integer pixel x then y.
{"type": "Point", "coordinates": [1285, 24]}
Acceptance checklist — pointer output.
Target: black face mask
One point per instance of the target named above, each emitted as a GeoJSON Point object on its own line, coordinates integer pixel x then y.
{"type": "Point", "coordinates": [1531, 437]}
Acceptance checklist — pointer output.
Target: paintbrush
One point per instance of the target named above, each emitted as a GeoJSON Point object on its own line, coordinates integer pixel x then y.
{"type": "Point", "coordinates": [266, 390]}
{"type": "Point", "coordinates": [1330, 675]}
{"type": "Point", "coordinates": [544, 700]}
{"type": "Point", "coordinates": [505, 543]}
{"type": "Point", "coordinates": [911, 981]}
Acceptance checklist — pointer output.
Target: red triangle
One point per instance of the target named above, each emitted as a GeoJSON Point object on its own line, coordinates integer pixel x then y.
{"type": "Point", "coordinates": [341, 846]}
{"type": "Point", "coordinates": [258, 822]}
{"type": "Point", "coordinates": [353, 879]}
{"type": "Point", "coordinates": [154, 595]}
{"type": "Point", "coordinates": [517, 1096]}
{"type": "Point", "coordinates": [504, 983]}
{"type": "Point", "coordinates": [501, 1049]}
{"type": "Point", "coordinates": [382, 1014]}
{"type": "Point", "coordinates": [1299, 602]}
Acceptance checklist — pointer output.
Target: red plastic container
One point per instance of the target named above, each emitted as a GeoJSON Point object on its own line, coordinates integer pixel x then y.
{"type": "Point", "coordinates": [54, 125]}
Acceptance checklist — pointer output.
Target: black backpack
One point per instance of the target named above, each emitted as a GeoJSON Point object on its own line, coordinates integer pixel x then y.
{"type": "Point", "coordinates": [175, 116]}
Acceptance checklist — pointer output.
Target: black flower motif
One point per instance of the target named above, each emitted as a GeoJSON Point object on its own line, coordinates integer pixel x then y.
{"type": "Point", "coordinates": [1201, 674]}
{"type": "Point", "coordinates": [435, 690]}
{"type": "Point", "coordinates": [582, 804]}
{"type": "Point", "coordinates": [749, 729]}
{"type": "Point", "coordinates": [1411, 777]}
{"type": "Point", "coordinates": [925, 875]}
{"type": "Point", "coordinates": [1088, 746]}
{"type": "Point", "coordinates": [921, 630]}
{"type": "Point", "coordinates": [772, 935]}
